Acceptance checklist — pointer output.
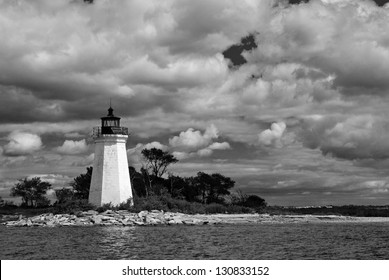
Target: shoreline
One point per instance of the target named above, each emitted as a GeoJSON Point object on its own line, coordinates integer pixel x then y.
{"type": "Point", "coordinates": [156, 217]}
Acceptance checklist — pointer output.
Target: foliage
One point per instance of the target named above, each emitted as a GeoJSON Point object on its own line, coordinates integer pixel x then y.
{"type": "Point", "coordinates": [63, 195]}
{"type": "Point", "coordinates": [4, 204]}
{"type": "Point", "coordinates": [137, 182]}
{"type": "Point", "coordinates": [203, 193]}
{"type": "Point", "coordinates": [157, 161]}
{"type": "Point", "coordinates": [212, 187]}
{"type": "Point", "coordinates": [105, 207]}
{"type": "Point", "coordinates": [167, 203]}
{"type": "Point", "coordinates": [72, 206]}
{"type": "Point", "coordinates": [81, 184]}
{"type": "Point", "coordinates": [254, 201]}
{"type": "Point", "coordinates": [250, 201]}
{"type": "Point", "coordinates": [32, 192]}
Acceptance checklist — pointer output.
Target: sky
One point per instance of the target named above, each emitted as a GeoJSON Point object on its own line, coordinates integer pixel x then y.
{"type": "Point", "coordinates": [290, 100]}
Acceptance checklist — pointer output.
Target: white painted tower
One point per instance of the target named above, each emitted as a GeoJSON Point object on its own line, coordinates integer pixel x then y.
{"type": "Point", "coordinates": [110, 177]}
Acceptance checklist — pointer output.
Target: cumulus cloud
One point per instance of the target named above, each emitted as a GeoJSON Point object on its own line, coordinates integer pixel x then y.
{"type": "Point", "coordinates": [205, 152]}
{"type": "Point", "coordinates": [135, 154]}
{"type": "Point", "coordinates": [71, 147]}
{"type": "Point", "coordinates": [154, 144]}
{"type": "Point", "coordinates": [355, 137]}
{"type": "Point", "coordinates": [219, 146]}
{"type": "Point", "coordinates": [22, 143]}
{"type": "Point", "coordinates": [194, 143]}
{"type": "Point", "coordinates": [273, 135]}
{"type": "Point", "coordinates": [192, 139]}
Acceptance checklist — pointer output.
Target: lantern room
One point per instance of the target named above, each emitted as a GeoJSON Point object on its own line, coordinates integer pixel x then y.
{"type": "Point", "coordinates": [110, 124]}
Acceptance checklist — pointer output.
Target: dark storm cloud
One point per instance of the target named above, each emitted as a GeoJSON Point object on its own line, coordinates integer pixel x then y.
{"type": "Point", "coordinates": [234, 52]}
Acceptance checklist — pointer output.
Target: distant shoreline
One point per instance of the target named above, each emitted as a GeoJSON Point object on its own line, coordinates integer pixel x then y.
{"type": "Point", "coordinates": [156, 217]}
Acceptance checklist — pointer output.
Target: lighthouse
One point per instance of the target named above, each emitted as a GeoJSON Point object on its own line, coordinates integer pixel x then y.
{"type": "Point", "coordinates": [110, 177]}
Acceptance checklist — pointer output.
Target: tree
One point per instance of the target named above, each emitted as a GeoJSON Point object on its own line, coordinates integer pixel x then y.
{"type": "Point", "coordinates": [212, 187]}
{"type": "Point", "coordinates": [251, 201]}
{"type": "Point", "coordinates": [63, 195]}
{"type": "Point", "coordinates": [137, 182]}
{"type": "Point", "coordinates": [256, 202]}
{"type": "Point", "coordinates": [157, 161]}
{"type": "Point", "coordinates": [31, 191]}
{"type": "Point", "coordinates": [81, 184]}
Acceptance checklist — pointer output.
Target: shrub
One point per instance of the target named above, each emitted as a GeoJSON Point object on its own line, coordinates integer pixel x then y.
{"type": "Point", "coordinates": [214, 208]}
{"type": "Point", "coordinates": [72, 206]}
{"type": "Point", "coordinates": [105, 207]}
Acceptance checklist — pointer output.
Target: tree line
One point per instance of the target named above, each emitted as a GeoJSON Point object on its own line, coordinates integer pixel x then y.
{"type": "Point", "coordinates": [152, 186]}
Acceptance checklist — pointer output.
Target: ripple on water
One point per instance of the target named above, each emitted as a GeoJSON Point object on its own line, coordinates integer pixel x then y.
{"type": "Point", "coordinates": [243, 241]}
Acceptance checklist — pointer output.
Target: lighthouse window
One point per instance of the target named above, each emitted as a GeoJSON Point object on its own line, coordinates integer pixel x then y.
{"type": "Point", "coordinates": [111, 123]}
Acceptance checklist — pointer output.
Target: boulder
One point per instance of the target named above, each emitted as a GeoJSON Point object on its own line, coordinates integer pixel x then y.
{"type": "Point", "coordinates": [90, 213]}
{"type": "Point", "coordinates": [142, 214]}
{"type": "Point", "coordinates": [96, 219]}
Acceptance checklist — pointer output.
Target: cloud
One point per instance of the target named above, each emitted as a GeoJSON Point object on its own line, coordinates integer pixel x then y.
{"type": "Point", "coordinates": [192, 143]}
{"type": "Point", "coordinates": [135, 154]}
{"type": "Point", "coordinates": [156, 145]}
{"type": "Point", "coordinates": [206, 152]}
{"type": "Point", "coordinates": [219, 146]}
{"type": "Point", "coordinates": [56, 180]}
{"type": "Point", "coordinates": [298, 34]}
{"type": "Point", "coordinates": [192, 139]}
{"type": "Point", "coordinates": [214, 146]}
{"type": "Point", "coordinates": [70, 147]}
{"type": "Point", "coordinates": [354, 137]}
{"type": "Point", "coordinates": [22, 143]}
{"type": "Point", "coordinates": [272, 136]}
{"type": "Point", "coordinates": [85, 161]}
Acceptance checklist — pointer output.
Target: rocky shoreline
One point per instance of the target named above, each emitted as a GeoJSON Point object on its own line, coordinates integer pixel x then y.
{"type": "Point", "coordinates": [156, 217]}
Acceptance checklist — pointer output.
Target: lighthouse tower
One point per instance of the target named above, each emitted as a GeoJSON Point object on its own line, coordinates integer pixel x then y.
{"type": "Point", "coordinates": [110, 177]}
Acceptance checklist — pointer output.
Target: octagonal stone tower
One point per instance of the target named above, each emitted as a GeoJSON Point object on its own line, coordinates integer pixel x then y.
{"type": "Point", "coordinates": [110, 177]}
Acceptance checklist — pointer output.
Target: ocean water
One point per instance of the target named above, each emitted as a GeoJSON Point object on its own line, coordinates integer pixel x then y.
{"type": "Point", "coordinates": [241, 241]}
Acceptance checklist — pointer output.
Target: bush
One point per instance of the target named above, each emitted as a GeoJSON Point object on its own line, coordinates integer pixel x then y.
{"type": "Point", "coordinates": [72, 206]}
{"type": "Point", "coordinates": [105, 207]}
{"type": "Point", "coordinates": [167, 203]}
{"type": "Point", "coordinates": [239, 209]}
{"type": "Point", "coordinates": [214, 208]}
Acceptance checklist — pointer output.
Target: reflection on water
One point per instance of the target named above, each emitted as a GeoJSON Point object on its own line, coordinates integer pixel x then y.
{"type": "Point", "coordinates": [251, 241]}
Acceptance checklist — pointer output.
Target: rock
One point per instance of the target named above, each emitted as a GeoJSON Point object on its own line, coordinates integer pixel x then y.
{"type": "Point", "coordinates": [123, 212]}
{"type": "Point", "coordinates": [127, 222]}
{"type": "Point", "coordinates": [66, 224]}
{"type": "Point", "coordinates": [106, 218]}
{"type": "Point", "coordinates": [192, 222]}
{"type": "Point", "coordinates": [50, 223]}
{"type": "Point", "coordinates": [152, 221]}
{"type": "Point", "coordinates": [173, 222]}
{"type": "Point", "coordinates": [108, 212]}
{"type": "Point", "coordinates": [96, 219]}
{"type": "Point", "coordinates": [142, 214]}
{"type": "Point", "coordinates": [90, 213]}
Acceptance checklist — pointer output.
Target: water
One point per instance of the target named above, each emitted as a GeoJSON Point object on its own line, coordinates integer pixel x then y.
{"type": "Point", "coordinates": [243, 241]}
